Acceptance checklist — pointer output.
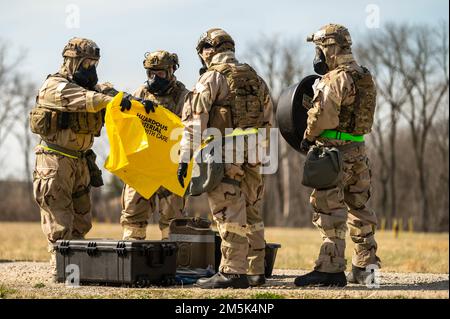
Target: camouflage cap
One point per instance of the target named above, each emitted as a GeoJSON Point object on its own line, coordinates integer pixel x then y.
{"type": "Point", "coordinates": [331, 34]}
{"type": "Point", "coordinates": [160, 60]}
{"type": "Point", "coordinates": [214, 37]}
{"type": "Point", "coordinates": [81, 48]}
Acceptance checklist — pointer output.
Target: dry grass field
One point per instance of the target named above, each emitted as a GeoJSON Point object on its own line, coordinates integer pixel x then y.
{"type": "Point", "coordinates": [410, 252]}
{"type": "Point", "coordinates": [414, 265]}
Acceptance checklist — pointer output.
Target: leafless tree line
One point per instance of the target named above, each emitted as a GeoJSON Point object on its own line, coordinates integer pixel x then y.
{"type": "Point", "coordinates": [411, 66]}
{"type": "Point", "coordinates": [16, 99]}
{"type": "Point", "coordinates": [408, 147]}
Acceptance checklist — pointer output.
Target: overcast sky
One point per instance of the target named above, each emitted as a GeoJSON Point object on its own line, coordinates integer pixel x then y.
{"type": "Point", "coordinates": [125, 30]}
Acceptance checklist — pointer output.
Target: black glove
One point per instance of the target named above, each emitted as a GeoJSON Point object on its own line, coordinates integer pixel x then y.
{"type": "Point", "coordinates": [182, 173]}
{"type": "Point", "coordinates": [305, 144]}
{"type": "Point", "coordinates": [149, 106]}
{"type": "Point", "coordinates": [125, 104]}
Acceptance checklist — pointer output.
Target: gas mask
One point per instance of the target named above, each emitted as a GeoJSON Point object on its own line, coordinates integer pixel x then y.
{"type": "Point", "coordinates": [86, 77]}
{"type": "Point", "coordinates": [202, 70]}
{"type": "Point", "coordinates": [319, 63]}
{"type": "Point", "coordinates": [157, 85]}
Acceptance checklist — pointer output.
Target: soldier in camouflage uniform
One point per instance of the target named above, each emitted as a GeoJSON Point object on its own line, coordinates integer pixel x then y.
{"type": "Point", "coordinates": [162, 88]}
{"type": "Point", "coordinates": [67, 116]}
{"type": "Point", "coordinates": [343, 108]}
{"type": "Point", "coordinates": [230, 94]}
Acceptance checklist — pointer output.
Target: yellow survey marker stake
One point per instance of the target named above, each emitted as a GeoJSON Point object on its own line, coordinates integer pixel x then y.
{"type": "Point", "coordinates": [141, 145]}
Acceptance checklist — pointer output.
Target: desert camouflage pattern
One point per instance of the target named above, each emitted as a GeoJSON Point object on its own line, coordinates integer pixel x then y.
{"type": "Point", "coordinates": [335, 98]}
{"type": "Point", "coordinates": [173, 100]}
{"type": "Point", "coordinates": [208, 104]}
{"type": "Point", "coordinates": [81, 48]}
{"type": "Point", "coordinates": [357, 118]}
{"type": "Point", "coordinates": [346, 204]}
{"type": "Point", "coordinates": [59, 94]}
{"type": "Point", "coordinates": [61, 189]}
{"type": "Point", "coordinates": [331, 34]}
{"type": "Point", "coordinates": [344, 100]}
{"type": "Point", "coordinates": [236, 211]}
{"type": "Point", "coordinates": [61, 183]}
{"type": "Point", "coordinates": [235, 207]}
{"type": "Point", "coordinates": [214, 37]}
{"type": "Point", "coordinates": [246, 94]}
{"type": "Point", "coordinates": [160, 60]}
{"type": "Point", "coordinates": [137, 209]}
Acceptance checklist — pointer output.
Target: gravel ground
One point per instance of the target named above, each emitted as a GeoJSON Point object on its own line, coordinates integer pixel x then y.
{"type": "Point", "coordinates": [33, 280]}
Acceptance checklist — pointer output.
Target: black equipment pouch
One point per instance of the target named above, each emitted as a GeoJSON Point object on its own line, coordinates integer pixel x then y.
{"type": "Point", "coordinates": [94, 172]}
{"type": "Point", "coordinates": [323, 168]}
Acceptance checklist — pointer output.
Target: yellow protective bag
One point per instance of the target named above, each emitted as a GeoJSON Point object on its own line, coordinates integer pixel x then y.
{"type": "Point", "coordinates": [141, 147]}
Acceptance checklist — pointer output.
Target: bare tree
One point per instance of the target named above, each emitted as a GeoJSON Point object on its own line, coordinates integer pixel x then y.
{"type": "Point", "coordinates": [280, 63]}
{"type": "Point", "coordinates": [426, 72]}
{"type": "Point", "coordinates": [8, 69]}
{"type": "Point", "coordinates": [440, 141]}
{"type": "Point", "coordinates": [411, 68]}
{"type": "Point", "coordinates": [378, 140]}
{"type": "Point", "coordinates": [25, 92]}
{"type": "Point", "coordinates": [382, 53]}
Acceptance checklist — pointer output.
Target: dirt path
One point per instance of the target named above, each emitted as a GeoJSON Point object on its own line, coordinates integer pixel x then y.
{"type": "Point", "coordinates": [33, 280]}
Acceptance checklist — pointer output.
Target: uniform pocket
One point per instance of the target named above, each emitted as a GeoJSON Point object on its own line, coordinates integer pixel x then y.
{"type": "Point", "coordinates": [46, 166]}
{"type": "Point", "coordinates": [44, 173]}
{"type": "Point", "coordinates": [43, 181]}
{"type": "Point", "coordinates": [40, 121]}
{"type": "Point", "coordinates": [81, 201]}
{"type": "Point", "coordinates": [361, 175]}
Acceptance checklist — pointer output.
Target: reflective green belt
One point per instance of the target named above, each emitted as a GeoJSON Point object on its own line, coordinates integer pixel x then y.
{"type": "Point", "coordinates": [342, 136]}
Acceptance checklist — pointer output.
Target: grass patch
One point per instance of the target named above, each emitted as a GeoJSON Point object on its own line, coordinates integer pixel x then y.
{"type": "Point", "coordinates": [39, 285]}
{"type": "Point", "coordinates": [267, 295]}
{"type": "Point", "coordinates": [410, 252]}
{"type": "Point", "coordinates": [223, 297]}
{"type": "Point", "coordinates": [6, 291]}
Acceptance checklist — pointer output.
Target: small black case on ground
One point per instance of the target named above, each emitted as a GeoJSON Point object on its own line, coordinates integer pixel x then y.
{"type": "Point", "coordinates": [137, 263]}
{"type": "Point", "coordinates": [269, 258]}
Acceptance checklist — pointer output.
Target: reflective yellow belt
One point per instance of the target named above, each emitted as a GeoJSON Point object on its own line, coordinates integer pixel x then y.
{"type": "Point", "coordinates": [61, 150]}
{"type": "Point", "coordinates": [236, 132]}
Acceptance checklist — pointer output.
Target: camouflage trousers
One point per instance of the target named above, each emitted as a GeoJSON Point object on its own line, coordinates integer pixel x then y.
{"type": "Point", "coordinates": [236, 211]}
{"type": "Point", "coordinates": [344, 205]}
{"type": "Point", "coordinates": [136, 210]}
{"type": "Point", "coordinates": [61, 189]}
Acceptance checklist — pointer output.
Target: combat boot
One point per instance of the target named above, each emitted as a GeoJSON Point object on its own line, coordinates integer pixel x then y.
{"type": "Point", "coordinates": [358, 275]}
{"type": "Point", "coordinates": [256, 280]}
{"type": "Point", "coordinates": [321, 279]}
{"type": "Point", "coordinates": [222, 280]}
